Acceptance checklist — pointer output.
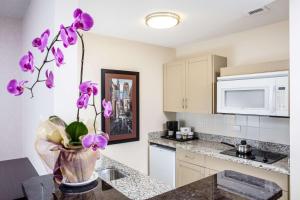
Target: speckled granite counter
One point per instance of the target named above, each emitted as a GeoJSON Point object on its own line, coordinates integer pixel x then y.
{"type": "Point", "coordinates": [213, 149]}
{"type": "Point", "coordinates": [135, 185]}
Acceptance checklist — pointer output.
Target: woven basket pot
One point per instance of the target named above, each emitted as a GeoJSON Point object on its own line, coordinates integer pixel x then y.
{"type": "Point", "coordinates": [77, 165]}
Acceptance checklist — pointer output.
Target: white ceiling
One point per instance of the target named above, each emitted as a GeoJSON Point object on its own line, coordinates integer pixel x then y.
{"type": "Point", "coordinates": [201, 19]}
{"type": "Point", "coordinates": [13, 8]}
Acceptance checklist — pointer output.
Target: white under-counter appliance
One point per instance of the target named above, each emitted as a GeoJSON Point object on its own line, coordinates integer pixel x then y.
{"type": "Point", "coordinates": [254, 94]}
{"type": "Point", "coordinates": [162, 164]}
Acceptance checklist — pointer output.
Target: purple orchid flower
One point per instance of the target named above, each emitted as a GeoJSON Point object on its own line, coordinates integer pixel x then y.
{"type": "Point", "coordinates": [68, 35]}
{"type": "Point", "coordinates": [16, 88]}
{"type": "Point", "coordinates": [88, 88]}
{"type": "Point", "coordinates": [94, 141]}
{"type": "Point", "coordinates": [49, 79]}
{"type": "Point", "coordinates": [107, 108]}
{"type": "Point", "coordinates": [83, 101]}
{"type": "Point", "coordinates": [26, 62]}
{"type": "Point", "coordinates": [83, 20]}
{"type": "Point", "coordinates": [41, 42]}
{"type": "Point", "coordinates": [58, 56]}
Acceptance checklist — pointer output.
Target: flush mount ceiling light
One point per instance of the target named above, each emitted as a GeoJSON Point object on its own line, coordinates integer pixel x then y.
{"type": "Point", "coordinates": [162, 20]}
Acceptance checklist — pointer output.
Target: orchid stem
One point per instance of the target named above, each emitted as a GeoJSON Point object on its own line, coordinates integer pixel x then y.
{"type": "Point", "coordinates": [50, 60]}
{"type": "Point", "coordinates": [39, 69]}
{"type": "Point", "coordinates": [96, 113]}
{"type": "Point", "coordinates": [81, 68]}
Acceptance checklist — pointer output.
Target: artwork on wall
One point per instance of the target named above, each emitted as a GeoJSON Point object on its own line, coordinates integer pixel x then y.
{"type": "Point", "coordinates": [122, 89]}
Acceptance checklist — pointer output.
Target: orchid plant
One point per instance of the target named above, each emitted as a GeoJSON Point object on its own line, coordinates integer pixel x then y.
{"type": "Point", "coordinates": [77, 131]}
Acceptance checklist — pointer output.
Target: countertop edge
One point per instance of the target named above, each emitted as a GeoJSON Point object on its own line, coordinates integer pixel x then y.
{"type": "Point", "coordinates": [266, 167]}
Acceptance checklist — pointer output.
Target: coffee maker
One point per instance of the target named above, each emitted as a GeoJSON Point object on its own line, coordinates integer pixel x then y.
{"type": "Point", "coordinates": [172, 127]}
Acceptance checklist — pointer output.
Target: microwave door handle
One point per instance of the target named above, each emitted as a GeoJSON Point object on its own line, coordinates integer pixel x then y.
{"type": "Point", "coordinates": [274, 100]}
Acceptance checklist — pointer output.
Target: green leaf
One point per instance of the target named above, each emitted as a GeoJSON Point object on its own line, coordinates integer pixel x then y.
{"type": "Point", "coordinates": [75, 130]}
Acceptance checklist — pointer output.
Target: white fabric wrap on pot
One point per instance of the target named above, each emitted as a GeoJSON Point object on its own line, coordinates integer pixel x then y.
{"type": "Point", "coordinates": [73, 164]}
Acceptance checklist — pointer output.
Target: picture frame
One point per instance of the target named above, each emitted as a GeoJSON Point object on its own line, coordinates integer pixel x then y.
{"type": "Point", "coordinates": [122, 89]}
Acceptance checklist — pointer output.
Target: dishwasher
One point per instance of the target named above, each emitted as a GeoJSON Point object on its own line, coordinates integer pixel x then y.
{"type": "Point", "coordinates": [162, 164]}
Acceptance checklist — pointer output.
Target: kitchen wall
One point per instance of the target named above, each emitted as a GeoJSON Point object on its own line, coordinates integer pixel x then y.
{"type": "Point", "coordinates": [43, 14]}
{"type": "Point", "coordinates": [263, 44]}
{"type": "Point", "coordinates": [112, 53]}
{"type": "Point", "coordinates": [295, 99]}
{"type": "Point", "coordinates": [10, 106]}
{"type": "Point", "coordinates": [101, 52]}
{"type": "Point", "coordinates": [39, 17]}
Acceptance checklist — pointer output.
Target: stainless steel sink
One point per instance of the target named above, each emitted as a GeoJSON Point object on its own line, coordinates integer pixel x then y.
{"type": "Point", "coordinates": [111, 174]}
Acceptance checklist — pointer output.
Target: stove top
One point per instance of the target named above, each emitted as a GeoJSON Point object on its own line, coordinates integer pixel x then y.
{"type": "Point", "coordinates": [256, 155]}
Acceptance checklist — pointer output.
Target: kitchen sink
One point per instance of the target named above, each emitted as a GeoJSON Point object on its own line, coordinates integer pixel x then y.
{"type": "Point", "coordinates": [111, 174]}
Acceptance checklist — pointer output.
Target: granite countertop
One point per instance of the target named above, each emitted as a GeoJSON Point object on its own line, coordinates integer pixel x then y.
{"type": "Point", "coordinates": [226, 185]}
{"type": "Point", "coordinates": [213, 149]}
{"type": "Point", "coordinates": [135, 185]}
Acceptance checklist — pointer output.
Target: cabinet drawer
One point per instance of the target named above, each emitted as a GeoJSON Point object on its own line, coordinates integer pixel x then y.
{"type": "Point", "coordinates": [196, 159]}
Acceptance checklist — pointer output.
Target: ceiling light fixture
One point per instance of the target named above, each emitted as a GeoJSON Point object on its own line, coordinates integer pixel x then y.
{"type": "Point", "coordinates": [162, 20]}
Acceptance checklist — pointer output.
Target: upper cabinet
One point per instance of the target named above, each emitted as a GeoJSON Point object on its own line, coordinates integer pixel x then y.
{"type": "Point", "coordinates": [189, 84]}
{"type": "Point", "coordinates": [174, 86]}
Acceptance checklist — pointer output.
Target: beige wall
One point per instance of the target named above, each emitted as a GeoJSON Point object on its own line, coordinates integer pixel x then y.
{"type": "Point", "coordinates": [10, 107]}
{"type": "Point", "coordinates": [263, 44]}
{"type": "Point", "coordinates": [112, 53]}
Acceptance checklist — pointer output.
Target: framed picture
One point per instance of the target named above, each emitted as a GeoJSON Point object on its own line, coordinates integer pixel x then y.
{"type": "Point", "coordinates": [122, 89]}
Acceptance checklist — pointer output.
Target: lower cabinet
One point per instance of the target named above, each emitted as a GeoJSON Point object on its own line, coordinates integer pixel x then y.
{"type": "Point", "coordinates": [191, 167]}
{"type": "Point", "coordinates": [187, 173]}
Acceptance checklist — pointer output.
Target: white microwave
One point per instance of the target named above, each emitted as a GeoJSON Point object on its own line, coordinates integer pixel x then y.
{"type": "Point", "coordinates": [254, 94]}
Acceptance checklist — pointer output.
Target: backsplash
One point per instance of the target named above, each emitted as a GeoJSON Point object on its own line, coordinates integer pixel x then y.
{"type": "Point", "coordinates": [268, 129]}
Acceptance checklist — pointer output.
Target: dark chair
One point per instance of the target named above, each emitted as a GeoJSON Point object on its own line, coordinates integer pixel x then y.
{"type": "Point", "coordinates": [12, 174]}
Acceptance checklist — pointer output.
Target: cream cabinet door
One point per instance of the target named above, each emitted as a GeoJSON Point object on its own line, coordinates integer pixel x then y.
{"type": "Point", "coordinates": [174, 86]}
{"type": "Point", "coordinates": [199, 85]}
{"type": "Point", "coordinates": [187, 173]}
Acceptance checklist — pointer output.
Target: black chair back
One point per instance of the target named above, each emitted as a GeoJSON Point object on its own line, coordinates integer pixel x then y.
{"type": "Point", "coordinates": [12, 174]}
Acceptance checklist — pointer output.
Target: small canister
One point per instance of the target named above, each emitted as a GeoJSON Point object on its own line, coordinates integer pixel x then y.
{"type": "Point", "coordinates": [185, 129]}
{"type": "Point", "coordinates": [190, 135]}
{"type": "Point", "coordinates": [184, 136]}
{"type": "Point", "coordinates": [178, 135]}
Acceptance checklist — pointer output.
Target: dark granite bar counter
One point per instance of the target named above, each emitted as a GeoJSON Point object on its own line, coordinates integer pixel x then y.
{"type": "Point", "coordinates": [44, 188]}
{"type": "Point", "coordinates": [226, 185]}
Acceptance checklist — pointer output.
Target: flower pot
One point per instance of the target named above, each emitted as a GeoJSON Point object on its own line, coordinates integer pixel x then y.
{"type": "Point", "coordinates": [77, 165]}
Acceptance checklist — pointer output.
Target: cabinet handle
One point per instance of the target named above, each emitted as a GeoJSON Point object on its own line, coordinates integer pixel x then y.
{"type": "Point", "coordinates": [182, 103]}
{"type": "Point", "coordinates": [186, 103]}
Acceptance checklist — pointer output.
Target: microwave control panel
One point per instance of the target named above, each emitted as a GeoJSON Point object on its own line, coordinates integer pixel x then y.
{"type": "Point", "coordinates": [282, 96]}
